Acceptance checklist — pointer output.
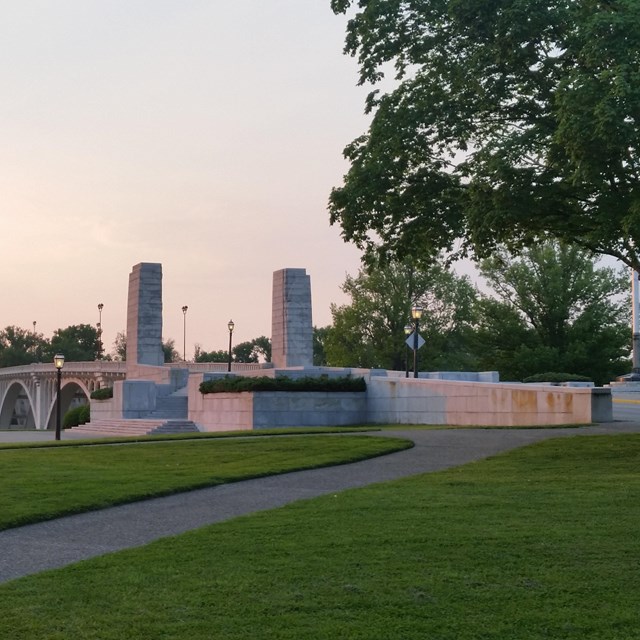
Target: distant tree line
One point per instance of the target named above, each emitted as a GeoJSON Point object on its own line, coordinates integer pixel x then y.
{"type": "Point", "coordinates": [80, 342]}
{"type": "Point", "coordinates": [553, 309]}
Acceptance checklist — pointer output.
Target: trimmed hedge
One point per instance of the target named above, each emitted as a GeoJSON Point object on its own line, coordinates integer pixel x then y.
{"type": "Point", "coordinates": [102, 394]}
{"type": "Point", "coordinates": [554, 376]}
{"type": "Point", "coordinates": [79, 415]}
{"type": "Point", "coordinates": [237, 384]}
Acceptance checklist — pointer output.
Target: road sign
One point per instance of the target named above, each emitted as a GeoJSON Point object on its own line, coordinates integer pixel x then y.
{"type": "Point", "coordinates": [409, 341]}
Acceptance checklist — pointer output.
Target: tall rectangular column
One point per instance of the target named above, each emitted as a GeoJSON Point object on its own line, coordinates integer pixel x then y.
{"type": "Point", "coordinates": [291, 324]}
{"type": "Point", "coordinates": [144, 315]}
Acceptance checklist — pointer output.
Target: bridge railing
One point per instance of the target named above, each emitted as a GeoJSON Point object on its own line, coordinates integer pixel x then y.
{"type": "Point", "coordinates": [99, 366]}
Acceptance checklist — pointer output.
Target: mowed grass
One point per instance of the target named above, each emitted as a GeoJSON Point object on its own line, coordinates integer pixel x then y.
{"type": "Point", "coordinates": [42, 483]}
{"type": "Point", "coordinates": [540, 543]}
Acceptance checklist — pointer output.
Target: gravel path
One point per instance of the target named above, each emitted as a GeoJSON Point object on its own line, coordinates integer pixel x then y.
{"type": "Point", "coordinates": [56, 543]}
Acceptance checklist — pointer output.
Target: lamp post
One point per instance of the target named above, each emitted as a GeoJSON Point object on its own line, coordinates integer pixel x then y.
{"type": "Point", "coordinates": [58, 361]}
{"type": "Point", "coordinates": [184, 333]}
{"type": "Point", "coordinates": [100, 308]}
{"type": "Point", "coordinates": [231, 326]}
{"type": "Point", "coordinates": [416, 314]}
{"type": "Point", "coordinates": [408, 328]}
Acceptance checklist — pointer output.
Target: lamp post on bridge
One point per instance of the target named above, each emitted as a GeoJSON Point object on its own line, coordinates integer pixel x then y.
{"type": "Point", "coordinates": [58, 361]}
{"type": "Point", "coordinates": [100, 308]}
{"type": "Point", "coordinates": [230, 325]}
{"type": "Point", "coordinates": [184, 333]}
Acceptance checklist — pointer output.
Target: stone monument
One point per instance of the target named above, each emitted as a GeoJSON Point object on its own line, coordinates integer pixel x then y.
{"type": "Point", "coordinates": [291, 325]}
{"type": "Point", "coordinates": [144, 315]}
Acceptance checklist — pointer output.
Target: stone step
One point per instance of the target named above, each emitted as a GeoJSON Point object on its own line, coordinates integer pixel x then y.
{"type": "Point", "coordinates": [134, 427]}
{"type": "Point", "coordinates": [176, 426]}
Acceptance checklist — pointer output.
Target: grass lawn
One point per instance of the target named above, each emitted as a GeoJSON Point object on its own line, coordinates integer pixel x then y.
{"type": "Point", "coordinates": [539, 543]}
{"type": "Point", "coordinates": [42, 483]}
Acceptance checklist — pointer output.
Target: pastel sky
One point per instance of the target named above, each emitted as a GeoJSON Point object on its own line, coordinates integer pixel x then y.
{"type": "Point", "coordinates": [202, 134]}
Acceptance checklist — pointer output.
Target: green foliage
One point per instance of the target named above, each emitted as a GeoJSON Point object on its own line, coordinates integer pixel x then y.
{"type": "Point", "coordinates": [78, 343]}
{"type": "Point", "coordinates": [319, 343]}
{"type": "Point", "coordinates": [169, 350]}
{"type": "Point", "coordinates": [237, 384]}
{"type": "Point", "coordinates": [508, 121]}
{"type": "Point", "coordinates": [19, 346]}
{"type": "Point", "coordinates": [262, 348]}
{"type": "Point", "coordinates": [557, 311]}
{"type": "Point", "coordinates": [102, 394]}
{"type": "Point", "coordinates": [76, 416]}
{"type": "Point", "coordinates": [369, 331]}
{"type": "Point", "coordinates": [249, 351]}
{"type": "Point", "coordinates": [554, 376]}
{"type": "Point", "coordinates": [243, 352]}
{"type": "Point", "coordinates": [211, 356]}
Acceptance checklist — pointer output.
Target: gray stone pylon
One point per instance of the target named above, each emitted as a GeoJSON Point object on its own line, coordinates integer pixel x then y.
{"type": "Point", "coordinates": [144, 315]}
{"type": "Point", "coordinates": [291, 324]}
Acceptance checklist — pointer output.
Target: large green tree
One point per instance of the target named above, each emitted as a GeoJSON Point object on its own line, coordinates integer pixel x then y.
{"type": "Point", "coordinates": [555, 310]}
{"type": "Point", "coordinates": [78, 343]}
{"type": "Point", "coordinates": [19, 346]}
{"type": "Point", "coordinates": [369, 331]}
{"type": "Point", "coordinates": [508, 121]}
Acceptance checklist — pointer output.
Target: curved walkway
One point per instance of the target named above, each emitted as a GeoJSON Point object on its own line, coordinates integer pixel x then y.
{"type": "Point", "coordinates": [56, 543]}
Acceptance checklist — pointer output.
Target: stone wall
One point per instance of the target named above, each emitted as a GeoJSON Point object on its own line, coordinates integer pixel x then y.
{"type": "Point", "coordinates": [419, 401]}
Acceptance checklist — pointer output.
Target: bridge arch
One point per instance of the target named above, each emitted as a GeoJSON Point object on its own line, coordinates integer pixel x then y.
{"type": "Point", "coordinates": [73, 392]}
{"type": "Point", "coordinates": [17, 407]}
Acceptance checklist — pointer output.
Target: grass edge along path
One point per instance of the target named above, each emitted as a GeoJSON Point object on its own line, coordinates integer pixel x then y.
{"type": "Point", "coordinates": [537, 543]}
{"type": "Point", "coordinates": [38, 484]}
{"type": "Point", "coordinates": [203, 435]}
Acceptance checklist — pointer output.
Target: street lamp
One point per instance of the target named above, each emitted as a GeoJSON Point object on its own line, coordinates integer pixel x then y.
{"type": "Point", "coordinates": [408, 328]}
{"type": "Point", "coordinates": [100, 308]}
{"type": "Point", "coordinates": [58, 361]}
{"type": "Point", "coordinates": [231, 326]}
{"type": "Point", "coordinates": [416, 314]}
{"type": "Point", "coordinates": [184, 333]}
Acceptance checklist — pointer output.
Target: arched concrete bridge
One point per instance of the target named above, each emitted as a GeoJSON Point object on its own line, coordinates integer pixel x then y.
{"type": "Point", "coordinates": [28, 393]}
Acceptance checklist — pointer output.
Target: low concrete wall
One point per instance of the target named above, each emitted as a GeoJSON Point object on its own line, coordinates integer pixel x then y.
{"type": "Point", "coordinates": [267, 409]}
{"type": "Point", "coordinates": [422, 401]}
{"type": "Point", "coordinates": [308, 409]}
{"type": "Point", "coordinates": [270, 409]}
{"type": "Point", "coordinates": [222, 411]}
{"type": "Point", "coordinates": [399, 400]}
{"type": "Point", "coordinates": [105, 409]}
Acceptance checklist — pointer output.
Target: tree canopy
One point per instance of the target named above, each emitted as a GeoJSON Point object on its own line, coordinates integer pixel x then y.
{"type": "Point", "coordinates": [556, 311]}
{"type": "Point", "coordinates": [369, 331]}
{"type": "Point", "coordinates": [508, 121]}
{"type": "Point", "coordinates": [78, 343]}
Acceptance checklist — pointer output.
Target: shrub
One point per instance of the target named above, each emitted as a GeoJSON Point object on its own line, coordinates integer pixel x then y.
{"type": "Point", "coordinates": [554, 376]}
{"type": "Point", "coordinates": [74, 417]}
{"type": "Point", "coordinates": [102, 394]}
{"type": "Point", "coordinates": [237, 384]}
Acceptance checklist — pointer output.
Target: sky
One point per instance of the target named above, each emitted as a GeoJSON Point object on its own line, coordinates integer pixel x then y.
{"type": "Point", "coordinates": [201, 134]}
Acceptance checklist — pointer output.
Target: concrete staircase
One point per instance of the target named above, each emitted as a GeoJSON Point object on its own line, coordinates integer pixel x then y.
{"type": "Point", "coordinates": [169, 416]}
{"type": "Point", "coordinates": [133, 427]}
